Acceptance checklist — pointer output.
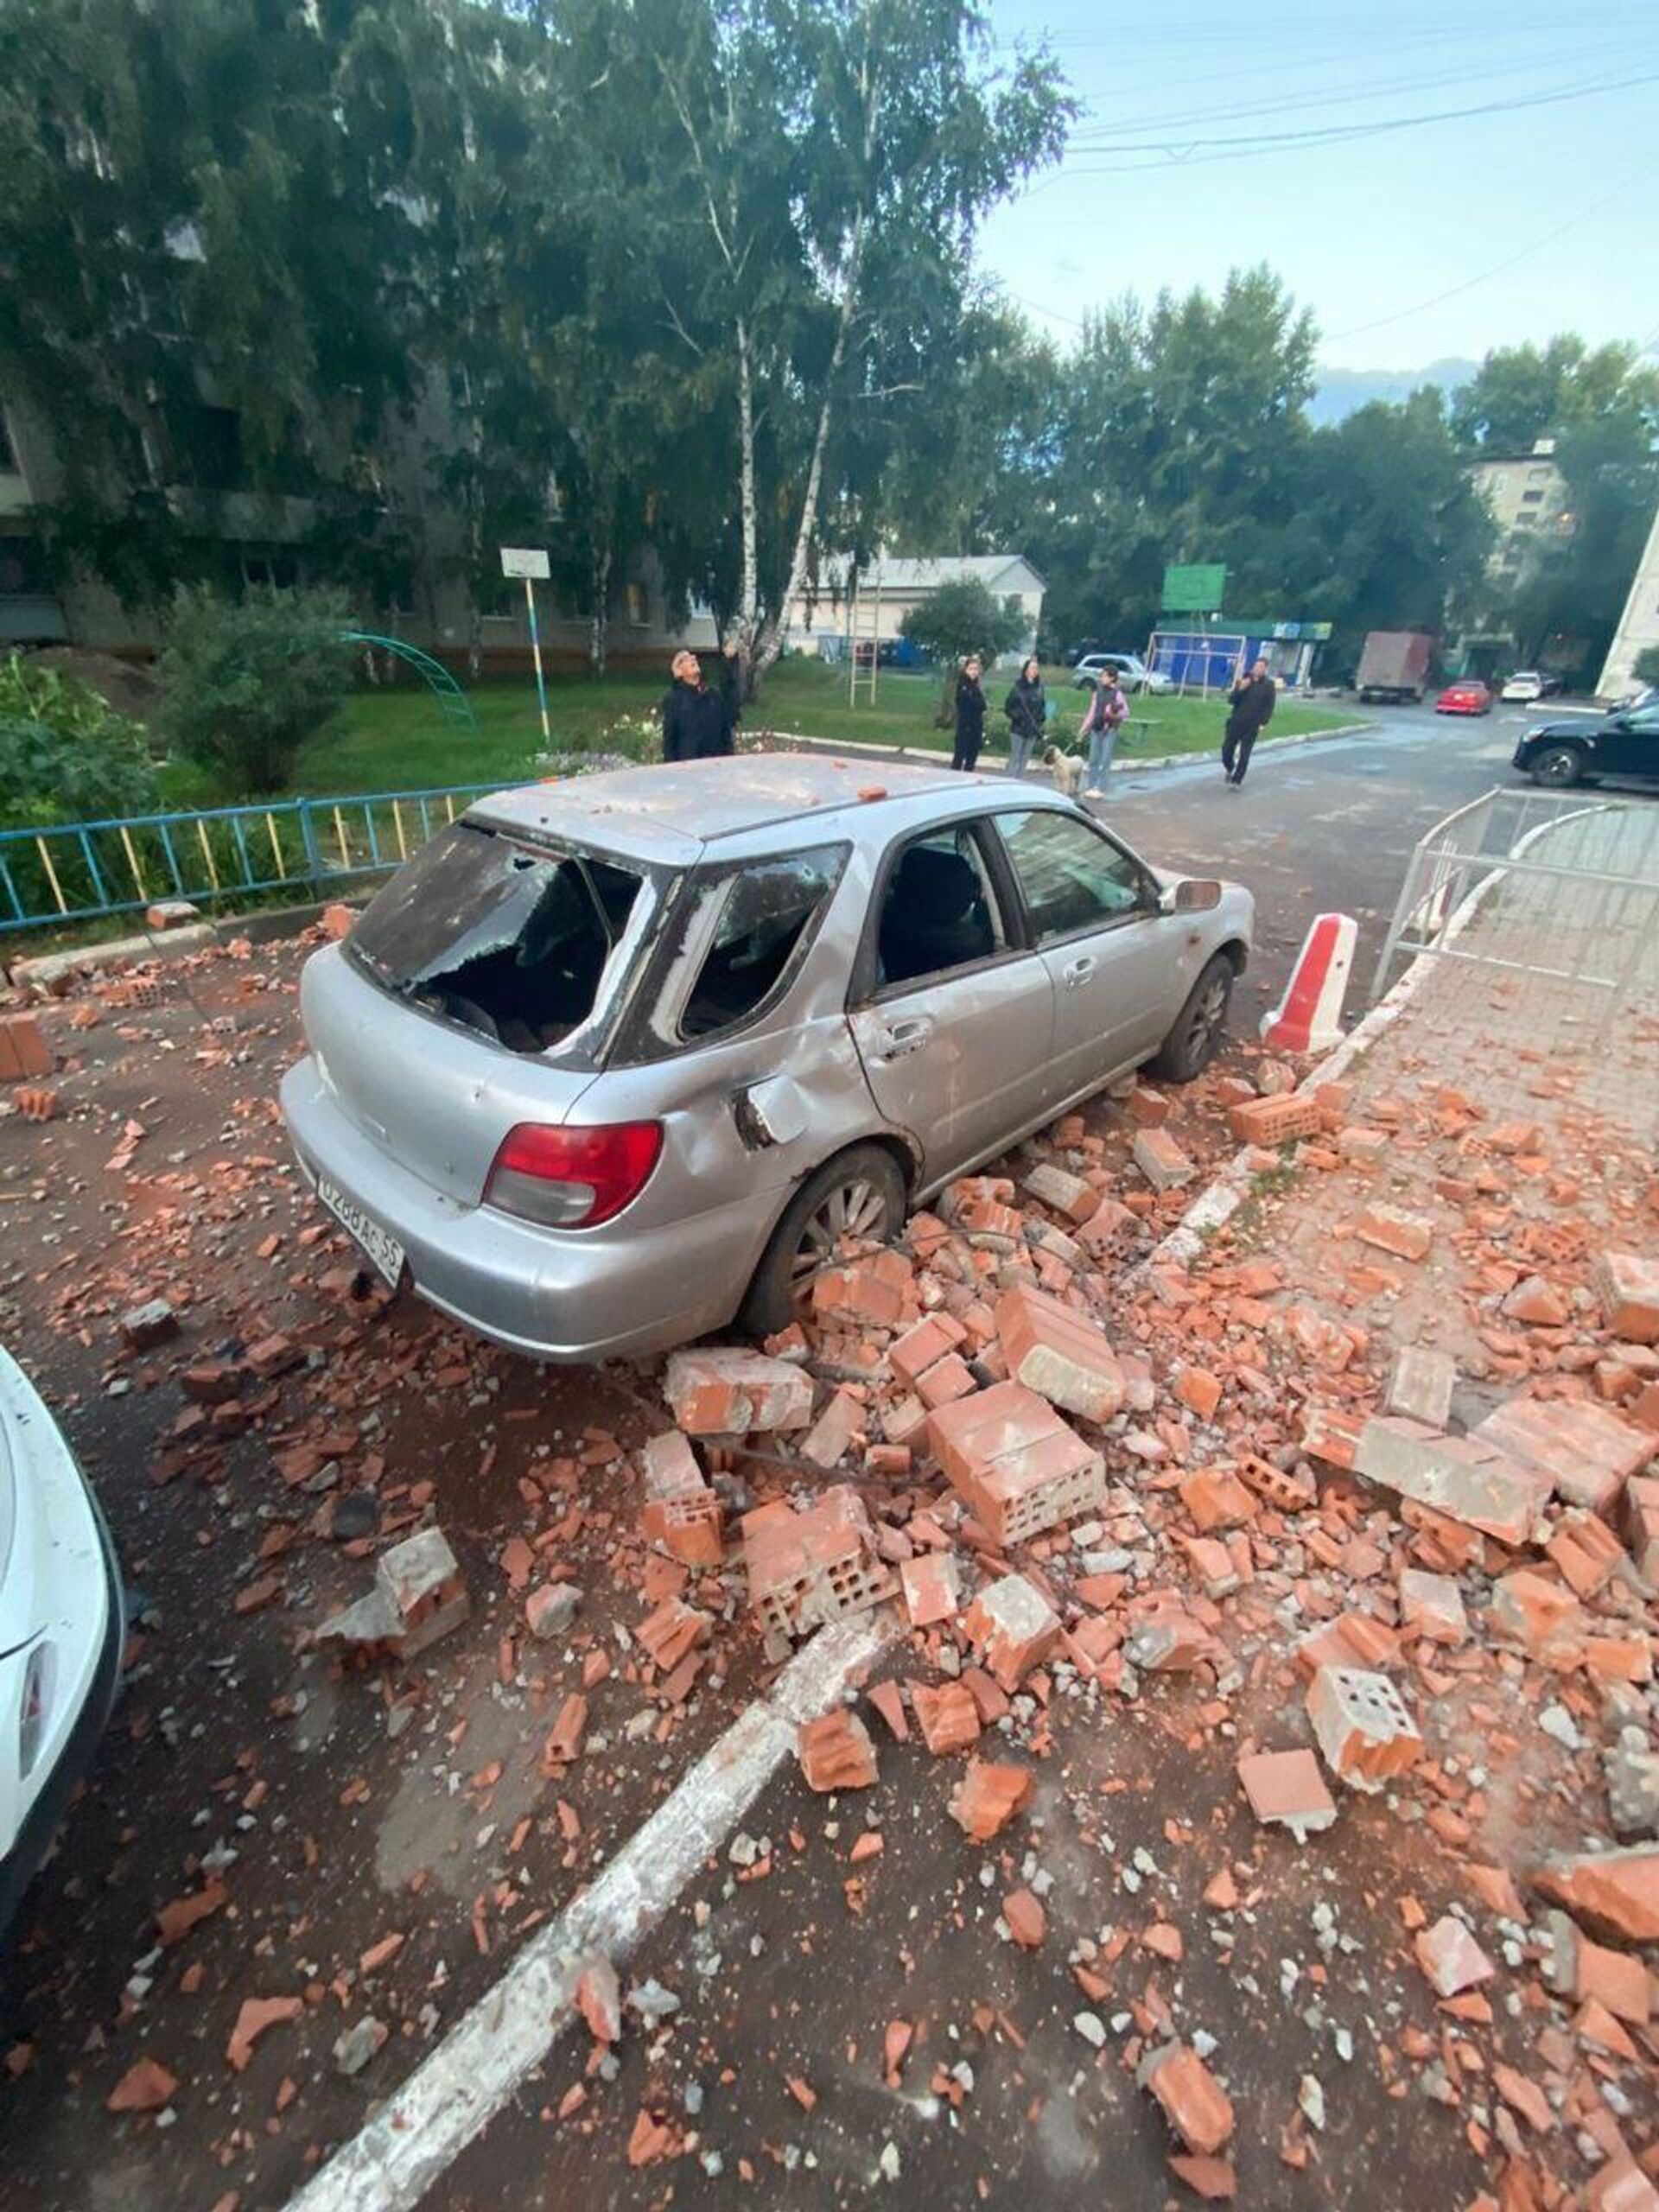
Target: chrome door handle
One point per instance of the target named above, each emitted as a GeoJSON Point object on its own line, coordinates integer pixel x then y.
{"type": "Point", "coordinates": [1079, 971]}
{"type": "Point", "coordinates": [905, 1037]}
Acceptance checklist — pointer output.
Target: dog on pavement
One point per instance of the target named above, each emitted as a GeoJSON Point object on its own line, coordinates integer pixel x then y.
{"type": "Point", "coordinates": [1066, 769]}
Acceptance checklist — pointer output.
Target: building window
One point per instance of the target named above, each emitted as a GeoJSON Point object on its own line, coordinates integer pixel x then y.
{"type": "Point", "coordinates": [207, 447]}
{"type": "Point", "coordinates": [274, 571]}
{"type": "Point", "coordinates": [7, 451]}
{"type": "Point", "coordinates": [639, 612]}
{"type": "Point", "coordinates": [1530, 499]}
{"type": "Point", "coordinates": [21, 573]}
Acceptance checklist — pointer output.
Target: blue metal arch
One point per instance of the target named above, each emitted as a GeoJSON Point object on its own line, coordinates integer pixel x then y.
{"type": "Point", "coordinates": [445, 687]}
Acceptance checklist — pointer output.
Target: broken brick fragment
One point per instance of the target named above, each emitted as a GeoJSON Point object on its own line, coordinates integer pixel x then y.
{"type": "Point", "coordinates": [1286, 1789]}
{"type": "Point", "coordinates": [1420, 1384]}
{"type": "Point", "coordinates": [145, 2087]}
{"type": "Point", "coordinates": [1027, 1922]}
{"type": "Point", "coordinates": [257, 2015]}
{"type": "Point", "coordinates": [923, 1346]}
{"type": "Point", "coordinates": [1627, 1285]}
{"type": "Point", "coordinates": [888, 1699]}
{"type": "Point", "coordinates": [947, 1716]}
{"type": "Point", "coordinates": [1540, 1615]}
{"type": "Point", "coordinates": [932, 1587]}
{"type": "Point", "coordinates": [1365, 1734]}
{"type": "Point", "coordinates": [987, 1797]}
{"type": "Point", "coordinates": [1066, 1193]}
{"type": "Point", "coordinates": [1193, 2101]}
{"type": "Point", "coordinates": [729, 1391]}
{"type": "Point", "coordinates": [1576, 1967]}
{"type": "Point", "coordinates": [1215, 1498]}
{"type": "Point", "coordinates": [1613, 1892]}
{"type": "Point", "coordinates": [1059, 1353]}
{"type": "Point", "coordinates": [1407, 1235]}
{"type": "Point", "coordinates": [1161, 1159]}
{"type": "Point", "coordinates": [806, 1569]}
{"type": "Point", "coordinates": [1014, 1629]}
{"type": "Point", "coordinates": [836, 1752]}
{"type": "Point", "coordinates": [671, 1631]}
{"type": "Point", "coordinates": [1586, 1451]}
{"type": "Point", "coordinates": [598, 1998]}
{"type": "Point", "coordinates": [24, 1049]}
{"type": "Point", "coordinates": [1432, 1605]}
{"type": "Point", "coordinates": [1451, 1959]}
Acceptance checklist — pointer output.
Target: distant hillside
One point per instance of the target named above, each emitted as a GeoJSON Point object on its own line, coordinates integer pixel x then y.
{"type": "Point", "coordinates": [1340, 390]}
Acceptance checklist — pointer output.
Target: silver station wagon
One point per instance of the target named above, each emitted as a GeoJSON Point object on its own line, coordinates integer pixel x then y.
{"type": "Point", "coordinates": [611, 1062]}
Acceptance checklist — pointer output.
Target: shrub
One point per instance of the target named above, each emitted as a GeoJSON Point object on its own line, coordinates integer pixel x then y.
{"type": "Point", "coordinates": [65, 755]}
{"type": "Point", "coordinates": [246, 682]}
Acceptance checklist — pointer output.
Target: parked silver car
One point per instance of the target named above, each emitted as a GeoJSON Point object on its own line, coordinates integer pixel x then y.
{"type": "Point", "coordinates": [614, 1061]}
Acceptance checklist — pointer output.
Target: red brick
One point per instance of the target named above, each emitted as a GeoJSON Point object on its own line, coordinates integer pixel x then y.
{"type": "Point", "coordinates": [987, 1797]}
{"type": "Point", "coordinates": [874, 1294]}
{"type": "Point", "coordinates": [889, 1702]}
{"type": "Point", "coordinates": [338, 922]}
{"type": "Point", "coordinates": [1216, 1499]}
{"type": "Point", "coordinates": [1450, 1958]}
{"type": "Point", "coordinates": [1027, 1922]}
{"type": "Point", "coordinates": [1585, 1552]}
{"type": "Point", "coordinates": [1270, 1122]}
{"type": "Point", "coordinates": [1627, 1284]}
{"type": "Point", "coordinates": [1151, 1108]}
{"type": "Point", "coordinates": [23, 1048]}
{"type": "Point", "coordinates": [932, 1586]}
{"type": "Point", "coordinates": [1199, 1391]}
{"type": "Point", "coordinates": [1014, 1629]}
{"type": "Point", "coordinates": [1540, 1615]}
{"type": "Point", "coordinates": [920, 1347]}
{"type": "Point", "coordinates": [1407, 1235]}
{"type": "Point", "coordinates": [731, 1391]}
{"type": "Point", "coordinates": [836, 1430]}
{"type": "Point", "coordinates": [947, 1379]}
{"type": "Point", "coordinates": [1576, 1967]}
{"type": "Point", "coordinates": [1352, 1640]}
{"type": "Point", "coordinates": [1016, 1463]}
{"type": "Point", "coordinates": [1066, 1193]}
{"type": "Point", "coordinates": [670, 1632]}
{"type": "Point", "coordinates": [1364, 1732]}
{"type": "Point", "coordinates": [1194, 2102]}
{"type": "Point", "coordinates": [947, 1716]}
{"type": "Point", "coordinates": [1057, 1352]}
{"type": "Point", "coordinates": [1161, 1159]}
{"type": "Point", "coordinates": [836, 1752]}
{"type": "Point", "coordinates": [36, 1104]}
{"type": "Point", "coordinates": [806, 1569]}
{"type": "Point", "coordinates": [1287, 1789]}
{"type": "Point", "coordinates": [1615, 1892]}
{"type": "Point", "coordinates": [1431, 1605]}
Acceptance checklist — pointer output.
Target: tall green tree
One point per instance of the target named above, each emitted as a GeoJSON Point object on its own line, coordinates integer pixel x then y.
{"type": "Point", "coordinates": [1521, 393]}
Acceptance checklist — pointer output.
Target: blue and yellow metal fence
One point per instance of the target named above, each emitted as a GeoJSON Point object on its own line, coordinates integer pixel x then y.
{"type": "Point", "coordinates": [82, 871]}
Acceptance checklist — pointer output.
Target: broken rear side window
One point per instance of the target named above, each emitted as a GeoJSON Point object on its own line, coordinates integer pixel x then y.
{"type": "Point", "coordinates": [769, 911]}
{"type": "Point", "coordinates": [512, 940]}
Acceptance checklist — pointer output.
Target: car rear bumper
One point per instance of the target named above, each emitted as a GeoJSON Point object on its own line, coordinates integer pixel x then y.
{"type": "Point", "coordinates": [619, 1292]}
{"type": "Point", "coordinates": [95, 1691]}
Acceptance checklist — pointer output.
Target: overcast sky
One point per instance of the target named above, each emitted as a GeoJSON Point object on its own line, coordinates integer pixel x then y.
{"type": "Point", "coordinates": [1538, 215]}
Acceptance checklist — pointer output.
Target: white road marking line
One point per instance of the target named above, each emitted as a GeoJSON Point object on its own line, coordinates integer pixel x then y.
{"type": "Point", "coordinates": [458, 2088]}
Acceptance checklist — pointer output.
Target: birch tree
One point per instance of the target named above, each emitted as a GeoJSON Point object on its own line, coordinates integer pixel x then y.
{"type": "Point", "coordinates": [825, 165]}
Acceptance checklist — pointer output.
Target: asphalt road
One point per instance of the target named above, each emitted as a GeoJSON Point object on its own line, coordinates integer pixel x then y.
{"type": "Point", "coordinates": [1323, 827]}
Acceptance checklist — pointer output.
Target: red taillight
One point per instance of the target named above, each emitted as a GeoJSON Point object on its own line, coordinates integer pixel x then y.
{"type": "Point", "coordinates": [572, 1178]}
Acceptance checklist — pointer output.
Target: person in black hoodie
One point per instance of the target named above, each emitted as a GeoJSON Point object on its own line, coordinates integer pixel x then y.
{"type": "Point", "coordinates": [1251, 700]}
{"type": "Point", "coordinates": [970, 718]}
{"type": "Point", "coordinates": [1026, 708]}
{"type": "Point", "coordinates": [696, 725]}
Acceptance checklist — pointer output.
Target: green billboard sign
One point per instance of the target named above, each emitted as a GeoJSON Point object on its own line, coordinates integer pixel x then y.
{"type": "Point", "coordinates": [1194, 588]}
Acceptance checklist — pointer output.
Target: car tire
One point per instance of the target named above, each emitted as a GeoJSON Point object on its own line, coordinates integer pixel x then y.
{"type": "Point", "coordinates": [860, 1192]}
{"type": "Point", "coordinates": [1558, 766]}
{"type": "Point", "coordinates": [1199, 1026]}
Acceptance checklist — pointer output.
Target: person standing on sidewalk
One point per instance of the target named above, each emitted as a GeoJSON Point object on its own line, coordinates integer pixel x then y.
{"type": "Point", "coordinates": [1104, 716]}
{"type": "Point", "coordinates": [1251, 703]}
{"type": "Point", "coordinates": [696, 725]}
{"type": "Point", "coordinates": [970, 718]}
{"type": "Point", "coordinates": [1026, 708]}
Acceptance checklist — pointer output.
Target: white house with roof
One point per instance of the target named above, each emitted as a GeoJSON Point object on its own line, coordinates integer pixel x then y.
{"type": "Point", "coordinates": [822, 615]}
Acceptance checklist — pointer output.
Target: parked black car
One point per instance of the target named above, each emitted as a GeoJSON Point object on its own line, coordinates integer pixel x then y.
{"type": "Point", "coordinates": [1586, 747]}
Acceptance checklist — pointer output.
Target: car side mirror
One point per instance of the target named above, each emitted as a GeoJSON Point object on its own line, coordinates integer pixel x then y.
{"type": "Point", "coordinates": [1193, 894]}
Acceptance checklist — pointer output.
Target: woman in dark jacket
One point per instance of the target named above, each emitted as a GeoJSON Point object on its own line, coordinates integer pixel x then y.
{"type": "Point", "coordinates": [970, 718]}
{"type": "Point", "coordinates": [695, 723]}
{"type": "Point", "coordinates": [1026, 708]}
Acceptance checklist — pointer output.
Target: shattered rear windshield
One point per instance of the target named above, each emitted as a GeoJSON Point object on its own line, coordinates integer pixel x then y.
{"type": "Point", "coordinates": [522, 943]}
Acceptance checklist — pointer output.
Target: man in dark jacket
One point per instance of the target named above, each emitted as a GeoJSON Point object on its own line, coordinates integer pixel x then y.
{"type": "Point", "coordinates": [1251, 701]}
{"type": "Point", "coordinates": [696, 725]}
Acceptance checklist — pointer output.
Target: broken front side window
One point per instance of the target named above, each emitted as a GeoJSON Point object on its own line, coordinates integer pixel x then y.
{"type": "Point", "coordinates": [523, 943]}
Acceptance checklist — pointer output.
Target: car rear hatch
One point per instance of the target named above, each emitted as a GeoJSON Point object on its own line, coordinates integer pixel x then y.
{"type": "Point", "coordinates": [476, 994]}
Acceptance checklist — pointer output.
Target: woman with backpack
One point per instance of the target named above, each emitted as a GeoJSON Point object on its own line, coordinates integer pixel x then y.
{"type": "Point", "coordinates": [1026, 708]}
{"type": "Point", "coordinates": [1106, 712]}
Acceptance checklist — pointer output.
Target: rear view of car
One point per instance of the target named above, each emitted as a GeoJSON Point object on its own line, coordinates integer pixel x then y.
{"type": "Point", "coordinates": [61, 1630]}
{"type": "Point", "coordinates": [1468, 697]}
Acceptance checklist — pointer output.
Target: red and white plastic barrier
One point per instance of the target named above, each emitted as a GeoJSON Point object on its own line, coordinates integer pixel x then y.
{"type": "Point", "coordinates": [1308, 1019]}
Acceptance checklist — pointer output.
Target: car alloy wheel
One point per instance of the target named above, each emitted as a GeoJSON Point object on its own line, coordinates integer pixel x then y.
{"type": "Point", "coordinates": [1559, 764]}
{"type": "Point", "coordinates": [855, 1208]}
{"type": "Point", "coordinates": [1209, 1016]}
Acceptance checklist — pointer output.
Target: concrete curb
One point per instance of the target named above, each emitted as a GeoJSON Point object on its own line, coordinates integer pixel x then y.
{"type": "Point", "coordinates": [273, 925]}
{"type": "Point", "coordinates": [916, 756]}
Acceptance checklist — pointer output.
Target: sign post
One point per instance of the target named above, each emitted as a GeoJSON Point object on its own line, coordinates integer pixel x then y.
{"type": "Point", "coordinates": [531, 562]}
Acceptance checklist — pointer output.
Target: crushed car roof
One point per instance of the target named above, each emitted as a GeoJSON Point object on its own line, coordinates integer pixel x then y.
{"type": "Point", "coordinates": [668, 813]}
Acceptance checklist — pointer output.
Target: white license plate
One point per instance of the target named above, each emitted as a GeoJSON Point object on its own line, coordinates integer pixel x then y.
{"type": "Point", "coordinates": [385, 1252]}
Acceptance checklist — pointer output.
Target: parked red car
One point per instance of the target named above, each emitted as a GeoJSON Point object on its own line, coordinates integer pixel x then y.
{"type": "Point", "coordinates": [1469, 696]}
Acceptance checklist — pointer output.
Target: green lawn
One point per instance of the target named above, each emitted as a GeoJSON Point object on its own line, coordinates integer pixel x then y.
{"type": "Point", "coordinates": [398, 739]}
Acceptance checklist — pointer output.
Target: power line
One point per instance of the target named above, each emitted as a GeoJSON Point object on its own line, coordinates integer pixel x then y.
{"type": "Point", "coordinates": [1455, 291]}
{"type": "Point", "coordinates": [1192, 155]}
